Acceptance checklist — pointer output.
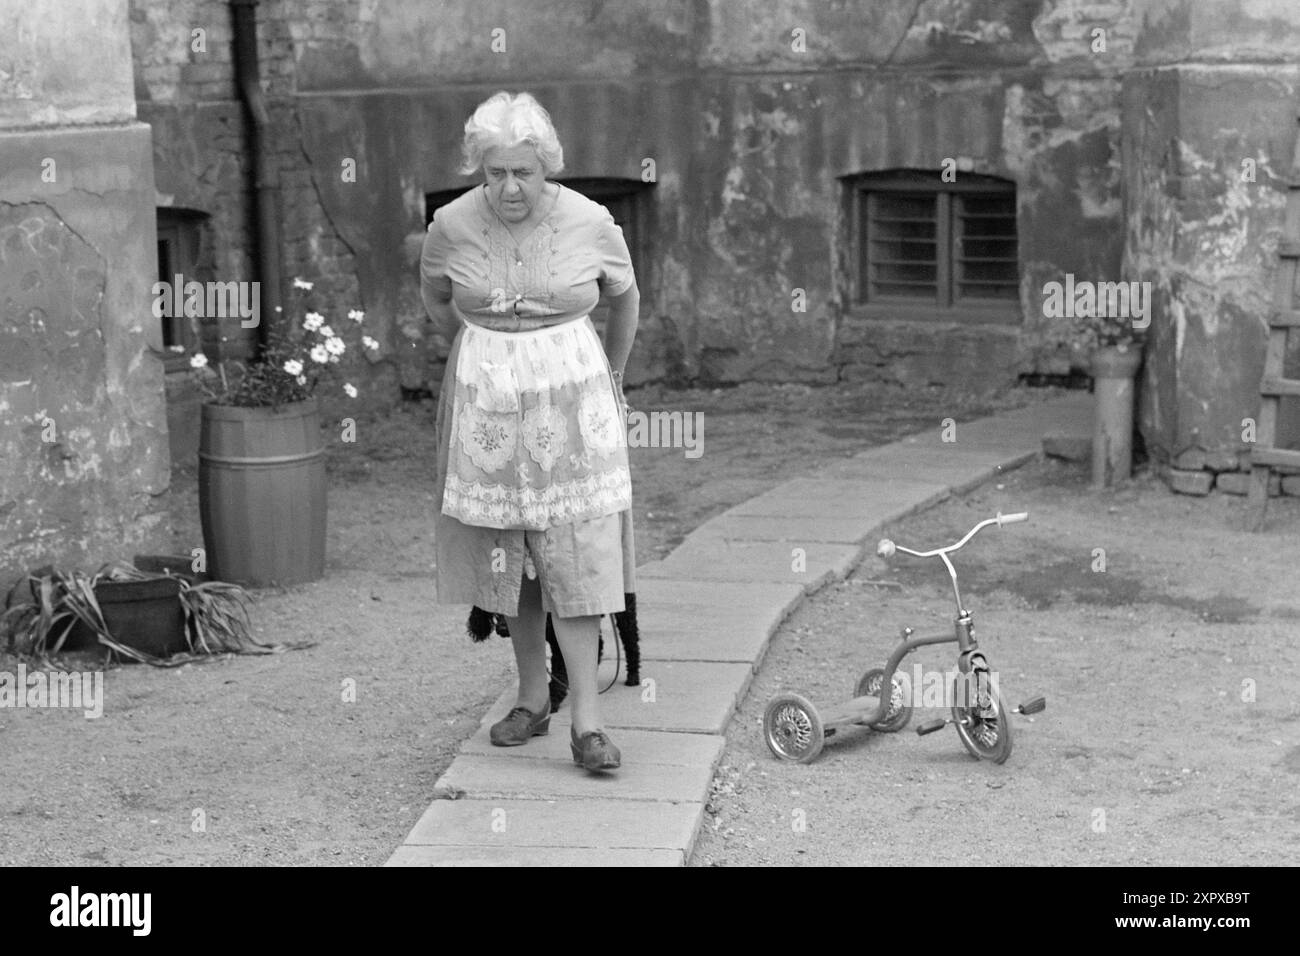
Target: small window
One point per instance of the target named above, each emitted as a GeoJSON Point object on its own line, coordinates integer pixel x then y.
{"type": "Point", "coordinates": [925, 244]}
{"type": "Point", "coordinates": [179, 239]}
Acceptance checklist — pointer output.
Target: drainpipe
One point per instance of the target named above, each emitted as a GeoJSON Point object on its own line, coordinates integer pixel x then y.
{"type": "Point", "coordinates": [265, 213]}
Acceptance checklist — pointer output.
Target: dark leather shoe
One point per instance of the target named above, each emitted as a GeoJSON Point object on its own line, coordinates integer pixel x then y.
{"type": "Point", "coordinates": [520, 726]}
{"type": "Point", "coordinates": [594, 751]}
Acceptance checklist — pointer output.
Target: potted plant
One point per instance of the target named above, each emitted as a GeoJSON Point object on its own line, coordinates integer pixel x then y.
{"type": "Point", "coordinates": [1114, 349]}
{"type": "Point", "coordinates": [130, 613]}
{"type": "Point", "coordinates": [262, 500]}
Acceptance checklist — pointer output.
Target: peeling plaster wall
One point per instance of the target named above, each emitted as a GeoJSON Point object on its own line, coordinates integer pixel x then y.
{"type": "Point", "coordinates": [748, 133]}
{"type": "Point", "coordinates": [83, 432]}
{"type": "Point", "coordinates": [752, 111]}
{"type": "Point", "coordinates": [750, 137]}
{"type": "Point", "coordinates": [1198, 228]}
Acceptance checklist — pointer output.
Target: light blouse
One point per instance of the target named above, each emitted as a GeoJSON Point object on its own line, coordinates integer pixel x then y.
{"type": "Point", "coordinates": [555, 275]}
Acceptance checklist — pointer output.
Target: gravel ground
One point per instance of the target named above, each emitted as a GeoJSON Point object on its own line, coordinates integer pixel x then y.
{"type": "Point", "coordinates": [261, 760]}
{"type": "Point", "coordinates": [1152, 749]}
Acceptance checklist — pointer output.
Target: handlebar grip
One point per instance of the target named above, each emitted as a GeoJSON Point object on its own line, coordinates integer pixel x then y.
{"type": "Point", "coordinates": [1012, 518]}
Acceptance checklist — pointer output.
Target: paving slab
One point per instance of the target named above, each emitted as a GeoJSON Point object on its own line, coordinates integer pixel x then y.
{"type": "Point", "coordinates": [613, 824]}
{"type": "Point", "coordinates": [692, 697]}
{"type": "Point", "coordinates": [689, 697]}
{"type": "Point", "coordinates": [728, 527]}
{"type": "Point", "coordinates": [532, 856]}
{"type": "Point", "coordinates": [487, 777]}
{"type": "Point", "coordinates": [655, 593]}
{"type": "Point", "coordinates": [713, 633]}
{"type": "Point", "coordinates": [657, 747]}
{"type": "Point", "coordinates": [861, 496]}
{"type": "Point", "coordinates": [1015, 431]}
{"type": "Point", "coordinates": [953, 469]}
{"type": "Point", "coordinates": [818, 563]}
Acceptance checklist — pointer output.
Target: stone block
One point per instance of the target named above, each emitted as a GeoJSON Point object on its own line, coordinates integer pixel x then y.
{"type": "Point", "coordinates": [1193, 459]}
{"type": "Point", "coordinates": [1188, 482]}
{"type": "Point", "coordinates": [1238, 483]}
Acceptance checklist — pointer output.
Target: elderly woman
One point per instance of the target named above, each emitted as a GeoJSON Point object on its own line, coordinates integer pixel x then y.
{"type": "Point", "coordinates": [532, 474]}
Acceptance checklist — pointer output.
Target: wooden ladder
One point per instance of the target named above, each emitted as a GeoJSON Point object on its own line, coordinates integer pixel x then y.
{"type": "Point", "coordinates": [1273, 387]}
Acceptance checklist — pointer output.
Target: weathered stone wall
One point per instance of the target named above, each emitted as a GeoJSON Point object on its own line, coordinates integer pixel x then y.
{"type": "Point", "coordinates": [752, 113]}
{"type": "Point", "coordinates": [1210, 127]}
{"type": "Point", "coordinates": [750, 125]}
{"type": "Point", "coordinates": [83, 437]}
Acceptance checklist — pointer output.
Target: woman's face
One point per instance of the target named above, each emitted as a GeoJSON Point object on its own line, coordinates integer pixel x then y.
{"type": "Point", "coordinates": [514, 180]}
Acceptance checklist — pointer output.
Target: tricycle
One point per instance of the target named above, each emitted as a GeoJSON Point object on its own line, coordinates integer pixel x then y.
{"type": "Point", "coordinates": [795, 730]}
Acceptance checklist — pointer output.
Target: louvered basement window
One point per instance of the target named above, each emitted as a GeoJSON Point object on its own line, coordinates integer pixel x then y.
{"type": "Point", "coordinates": [924, 243]}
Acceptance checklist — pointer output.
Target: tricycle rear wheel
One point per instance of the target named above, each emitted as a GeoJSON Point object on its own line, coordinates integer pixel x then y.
{"type": "Point", "coordinates": [900, 711]}
{"type": "Point", "coordinates": [792, 728]}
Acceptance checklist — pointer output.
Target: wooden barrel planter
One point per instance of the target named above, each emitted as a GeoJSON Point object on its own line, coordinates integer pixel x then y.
{"type": "Point", "coordinates": [262, 493]}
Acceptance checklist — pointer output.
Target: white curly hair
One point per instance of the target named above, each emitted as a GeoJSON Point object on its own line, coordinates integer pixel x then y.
{"type": "Point", "coordinates": [511, 119]}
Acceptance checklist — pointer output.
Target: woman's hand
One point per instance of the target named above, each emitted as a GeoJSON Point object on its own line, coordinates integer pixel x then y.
{"type": "Point", "coordinates": [624, 408]}
{"type": "Point", "coordinates": [444, 316]}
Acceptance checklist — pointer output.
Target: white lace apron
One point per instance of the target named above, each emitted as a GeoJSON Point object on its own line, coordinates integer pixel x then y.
{"type": "Point", "coordinates": [537, 437]}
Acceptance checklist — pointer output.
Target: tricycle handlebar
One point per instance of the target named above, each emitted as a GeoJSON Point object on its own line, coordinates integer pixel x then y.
{"type": "Point", "coordinates": [886, 548]}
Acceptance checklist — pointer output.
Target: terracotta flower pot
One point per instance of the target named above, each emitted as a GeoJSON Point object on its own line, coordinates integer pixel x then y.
{"type": "Point", "coordinates": [1113, 373]}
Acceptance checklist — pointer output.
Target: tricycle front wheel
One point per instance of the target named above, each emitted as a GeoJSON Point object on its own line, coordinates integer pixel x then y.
{"type": "Point", "coordinates": [981, 720]}
{"type": "Point", "coordinates": [792, 728]}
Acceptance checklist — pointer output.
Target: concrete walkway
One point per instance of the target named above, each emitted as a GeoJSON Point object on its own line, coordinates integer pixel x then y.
{"type": "Point", "coordinates": [706, 614]}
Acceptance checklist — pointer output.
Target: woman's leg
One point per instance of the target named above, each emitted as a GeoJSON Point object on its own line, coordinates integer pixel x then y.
{"type": "Point", "coordinates": [528, 634]}
{"type": "Point", "coordinates": [577, 637]}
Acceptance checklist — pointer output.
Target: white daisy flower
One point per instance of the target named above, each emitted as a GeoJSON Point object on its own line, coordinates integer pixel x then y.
{"type": "Point", "coordinates": [350, 390]}
{"type": "Point", "coordinates": [334, 359]}
{"type": "Point", "coordinates": [368, 342]}
{"type": "Point", "coordinates": [313, 321]}
{"type": "Point", "coordinates": [198, 361]}
{"type": "Point", "coordinates": [318, 354]}
{"type": "Point", "coordinates": [335, 346]}
{"type": "Point", "coordinates": [302, 379]}
{"type": "Point", "coordinates": [301, 283]}
{"type": "Point", "coordinates": [356, 315]}
{"type": "Point", "coordinates": [293, 367]}
{"type": "Point", "coordinates": [325, 332]}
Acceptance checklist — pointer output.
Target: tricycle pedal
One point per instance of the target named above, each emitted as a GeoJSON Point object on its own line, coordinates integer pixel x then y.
{"type": "Point", "coordinates": [1032, 706]}
{"type": "Point", "coordinates": [930, 726]}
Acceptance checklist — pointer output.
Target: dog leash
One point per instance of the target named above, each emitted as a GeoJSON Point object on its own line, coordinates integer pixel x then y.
{"type": "Point", "coordinates": [618, 660]}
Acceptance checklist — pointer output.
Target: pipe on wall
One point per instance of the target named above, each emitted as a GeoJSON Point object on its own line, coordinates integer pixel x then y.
{"type": "Point", "coordinates": [265, 184]}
